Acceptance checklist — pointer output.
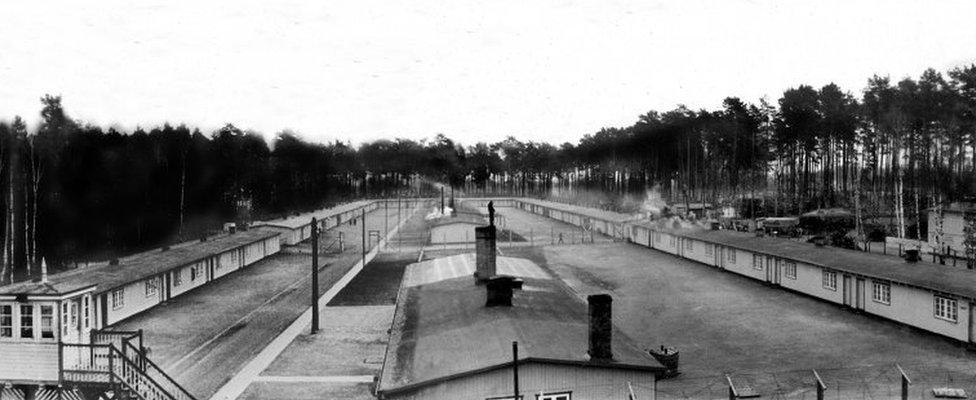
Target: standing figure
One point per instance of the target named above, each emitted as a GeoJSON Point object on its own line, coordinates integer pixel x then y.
{"type": "Point", "coordinates": [491, 213]}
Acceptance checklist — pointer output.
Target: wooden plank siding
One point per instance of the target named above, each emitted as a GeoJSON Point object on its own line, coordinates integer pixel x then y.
{"type": "Point", "coordinates": [29, 362]}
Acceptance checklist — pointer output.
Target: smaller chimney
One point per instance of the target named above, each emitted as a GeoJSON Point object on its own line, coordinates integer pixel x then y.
{"type": "Point", "coordinates": [500, 290]}
{"type": "Point", "coordinates": [484, 253]}
{"type": "Point", "coordinates": [601, 326]}
{"type": "Point", "coordinates": [43, 270]}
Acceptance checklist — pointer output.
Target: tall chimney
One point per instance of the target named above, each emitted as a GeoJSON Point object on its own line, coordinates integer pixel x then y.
{"type": "Point", "coordinates": [43, 270]}
{"type": "Point", "coordinates": [500, 289]}
{"type": "Point", "coordinates": [601, 326]}
{"type": "Point", "coordinates": [484, 237]}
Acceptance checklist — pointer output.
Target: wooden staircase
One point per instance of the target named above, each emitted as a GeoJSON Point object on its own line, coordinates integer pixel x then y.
{"type": "Point", "coordinates": [114, 366]}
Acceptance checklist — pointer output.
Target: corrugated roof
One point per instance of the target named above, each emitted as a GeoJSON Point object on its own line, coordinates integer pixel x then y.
{"type": "Point", "coordinates": [935, 277]}
{"type": "Point", "coordinates": [138, 266]}
{"type": "Point", "coordinates": [442, 329]}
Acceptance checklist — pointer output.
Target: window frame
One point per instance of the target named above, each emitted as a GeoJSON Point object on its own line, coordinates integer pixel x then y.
{"type": "Point", "coordinates": [30, 319]}
{"type": "Point", "coordinates": [709, 250]}
{"type": "Point", "coordinates": [829, 280]}
{"type": "Point", "coordinates": [49, 329]}
{"type": "Point", "coordinates": [948, 301]}
{"type": "Point", "coordinates": [64, 317]}
{"type": "Point", "coordinates": [75, 310]}
{"type": "Point", "coordinates": [10, 315]}
{"type": "Point", "coordinates": [177, 278]}
{"type": "Point", "coordinates": [730, 255]}
{"type": "Point", "coordinates": [152, 287]}
{"type": "Point", "coordinates": [757, 262]}
{"type": "Point", "coordinates": [86, 310]}
{"type": "Point", "coordinates": [118, 298]}
{"type": "Point", "coordinates": [790, 269]}
{"type": "Point", "coordinates": [689, 244]}
{"type": "Point", "coordinates": [885, 292]}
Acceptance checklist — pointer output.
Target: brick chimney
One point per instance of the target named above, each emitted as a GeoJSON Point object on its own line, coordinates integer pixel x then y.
{"type": "Point", "coordinates": [484, 253]}
{"type": "Point", "coordinates": [500, 290]}
{"type": "Point", "coordinates": [601, 326]}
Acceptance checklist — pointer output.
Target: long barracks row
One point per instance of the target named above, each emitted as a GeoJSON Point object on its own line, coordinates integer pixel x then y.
{"type": "Point", "coordinates": [936, 298]}
{"type": "Point", "coordinates": [44, 325]}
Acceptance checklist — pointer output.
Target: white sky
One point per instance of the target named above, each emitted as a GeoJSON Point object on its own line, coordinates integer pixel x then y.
{"type": "Point", "coordinates": [474, 70]}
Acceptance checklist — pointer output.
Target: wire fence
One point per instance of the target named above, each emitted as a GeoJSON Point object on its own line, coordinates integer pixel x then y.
{"type": "Point", "coordinates": [883, 381]}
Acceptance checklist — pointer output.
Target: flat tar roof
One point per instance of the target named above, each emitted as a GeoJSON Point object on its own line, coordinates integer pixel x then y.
{"type": "Point", "coordinates": [927, 275]}
{"type": "Point", "coordinates": [442, 329]}
{"type": "Point", "coordinates": [138, 266]}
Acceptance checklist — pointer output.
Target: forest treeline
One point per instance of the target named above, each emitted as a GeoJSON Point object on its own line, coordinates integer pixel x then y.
{"type": "Point", "coordinates": [75, 191]}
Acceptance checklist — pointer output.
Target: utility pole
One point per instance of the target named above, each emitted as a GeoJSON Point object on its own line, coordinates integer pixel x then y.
{"type": "Point", "coordinates": [315, 276]}
{"type": "Point", "coordinates": [364, 236]}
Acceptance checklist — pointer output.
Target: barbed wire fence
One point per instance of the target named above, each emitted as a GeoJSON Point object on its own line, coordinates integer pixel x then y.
{"type": "Point", "coordinates": [882, 381]}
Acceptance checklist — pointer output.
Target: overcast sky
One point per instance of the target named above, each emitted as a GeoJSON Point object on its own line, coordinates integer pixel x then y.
{"type": "Point", "coordinates": [474, 70]}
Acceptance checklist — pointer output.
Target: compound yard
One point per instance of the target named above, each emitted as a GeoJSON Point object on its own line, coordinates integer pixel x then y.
{"type": "Point", "coordinates": [761, 337]}
{"type": "Point", "coordinates": [765, 338]}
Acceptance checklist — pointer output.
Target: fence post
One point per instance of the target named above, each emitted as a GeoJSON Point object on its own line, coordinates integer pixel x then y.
{"type": "Point", "coordinates": [904, 383]}
{"type": "Point", "coordinates": [732, 394]}
{"type": "Point", "coordinates": [315, 276]}
{"type": "Point", "coordinates": [820, 386]}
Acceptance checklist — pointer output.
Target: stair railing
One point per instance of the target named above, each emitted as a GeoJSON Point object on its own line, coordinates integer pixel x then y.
{"type": "Point", "coordinates": [154, 372]}
{"type": "Point", "coordinates": [106, 363]}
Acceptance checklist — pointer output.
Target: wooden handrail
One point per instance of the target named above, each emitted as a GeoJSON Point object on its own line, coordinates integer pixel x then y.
{"type": "Point", "coordinates": [170, 380]}
{"type": "Point", "coordinates": [133, 367]}
{"type": "Point", "coordinates": [120, 367]}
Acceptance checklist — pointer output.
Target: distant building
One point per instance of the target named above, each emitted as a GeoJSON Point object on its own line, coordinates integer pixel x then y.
{"type": "Point", "coordinates": [452, 338]}
{"type": "Point", "coordinates": [953, 223]}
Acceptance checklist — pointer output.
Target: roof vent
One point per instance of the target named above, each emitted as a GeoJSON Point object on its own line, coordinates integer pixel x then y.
{"type": "Point", "coordinates": [114, 261]}
{"type": "Point", "coordinates": [500, 290]}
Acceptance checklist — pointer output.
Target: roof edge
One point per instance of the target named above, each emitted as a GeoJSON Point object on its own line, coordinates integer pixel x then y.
{"type": "Point", "coordinates": [536, 360]}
